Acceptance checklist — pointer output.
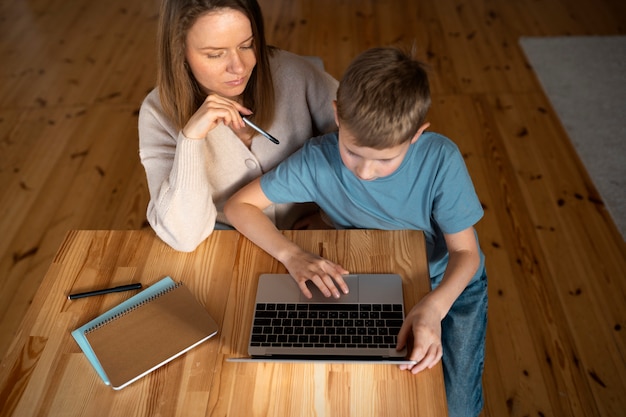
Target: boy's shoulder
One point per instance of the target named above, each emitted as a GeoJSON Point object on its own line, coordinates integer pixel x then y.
{"type": "Point", "coordinates": [319, 150]}
{"type": "Point", "coordinates": [435, 148]}
{"type": "Point", "coordinates": [435, 139]}
{"type": "Point", "coordinates": [323, 142]}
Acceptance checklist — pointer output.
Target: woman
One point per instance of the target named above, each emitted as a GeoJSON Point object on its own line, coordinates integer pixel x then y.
{"type": "Point", "coordinates": [214, 67]}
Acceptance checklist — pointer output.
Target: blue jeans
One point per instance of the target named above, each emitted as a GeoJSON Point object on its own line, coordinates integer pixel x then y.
{"type": "Point", "coordinates": [463, 333]}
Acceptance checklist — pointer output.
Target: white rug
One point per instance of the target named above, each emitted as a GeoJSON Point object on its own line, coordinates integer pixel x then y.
{"type": "Point", "coordinates": [585, 80]}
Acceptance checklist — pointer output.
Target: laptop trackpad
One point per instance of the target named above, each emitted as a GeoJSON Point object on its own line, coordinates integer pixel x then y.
{"type": "Point", "coordinates": [351, 297]}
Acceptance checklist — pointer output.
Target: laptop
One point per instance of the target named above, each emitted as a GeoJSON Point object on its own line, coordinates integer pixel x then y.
{"type": "Point", "coordinates": [361, 326]}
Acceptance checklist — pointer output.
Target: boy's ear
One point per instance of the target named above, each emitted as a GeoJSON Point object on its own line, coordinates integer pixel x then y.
{"type": "Point", "coordinates": [335, 111]}
{"type": "Point", "coordinates": [420, 131]}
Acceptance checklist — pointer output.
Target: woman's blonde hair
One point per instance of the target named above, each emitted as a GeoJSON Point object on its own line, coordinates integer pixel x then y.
{"type": "Point", "coordinates": [383, 97]}
{"type": "Point", "coordinates": [179, 91]}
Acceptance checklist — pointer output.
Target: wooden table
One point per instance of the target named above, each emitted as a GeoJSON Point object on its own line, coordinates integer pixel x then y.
{"type": "Point", "coordinates": [46, 373]}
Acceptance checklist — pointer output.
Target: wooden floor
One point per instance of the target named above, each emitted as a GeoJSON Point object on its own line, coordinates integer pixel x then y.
{"type": "Point", "coordinates": [74, 72]}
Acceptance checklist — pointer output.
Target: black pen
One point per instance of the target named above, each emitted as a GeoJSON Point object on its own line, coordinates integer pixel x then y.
{"type": "Point", "coordinates": [136, 286]}
{"type": "Point", "coordinates": [261, 131]}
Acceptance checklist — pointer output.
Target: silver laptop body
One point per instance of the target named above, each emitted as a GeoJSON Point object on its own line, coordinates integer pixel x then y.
{"type": "Point", "coordinates": [359, 326]}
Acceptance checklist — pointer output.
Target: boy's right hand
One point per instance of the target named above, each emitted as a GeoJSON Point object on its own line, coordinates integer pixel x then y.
{"type": "Point", "coordinates": [326, 275]}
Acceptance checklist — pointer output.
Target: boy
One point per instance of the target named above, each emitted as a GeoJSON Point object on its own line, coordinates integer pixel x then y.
{"type": "Point", "coordinates": [381, 170]}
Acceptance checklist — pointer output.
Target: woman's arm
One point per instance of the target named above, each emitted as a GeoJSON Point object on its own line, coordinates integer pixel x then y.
{"type": "Point", "coordinates": [181, 210]}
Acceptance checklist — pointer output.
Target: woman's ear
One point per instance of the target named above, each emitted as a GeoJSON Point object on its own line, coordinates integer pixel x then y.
{"type": "Point", "coordinates": [420, 131]}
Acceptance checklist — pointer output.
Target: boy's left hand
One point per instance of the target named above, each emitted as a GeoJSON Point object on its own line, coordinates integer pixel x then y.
{"type": "Point", "coordinates": [423, 326]}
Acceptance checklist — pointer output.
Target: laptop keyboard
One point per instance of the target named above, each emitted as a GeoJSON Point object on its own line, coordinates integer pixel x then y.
{"type": "Point", "coordinates": [326, 325]}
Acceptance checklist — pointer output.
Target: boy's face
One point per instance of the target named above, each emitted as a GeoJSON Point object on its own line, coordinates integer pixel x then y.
{"type": "Point", "coordinates": [366, 163]}
{"type": "Point", "coordinates": [369, 164]}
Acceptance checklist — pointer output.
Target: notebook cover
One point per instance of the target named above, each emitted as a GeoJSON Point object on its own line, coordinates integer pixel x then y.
{"type": "Point", "coordinates": [79, 334]}
{"type": "Point", "coordinates": [134, 343]}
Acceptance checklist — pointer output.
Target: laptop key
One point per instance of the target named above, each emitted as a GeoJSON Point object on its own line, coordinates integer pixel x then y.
{"type": "Point", "coordinates": [333, 307]}
{"type": "Point", "coordinates": [391, 315]}
{"type": "Point", "coordinates": [258, 338]}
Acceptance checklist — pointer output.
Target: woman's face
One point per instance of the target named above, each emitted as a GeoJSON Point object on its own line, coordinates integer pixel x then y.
{"type": "Point", "coordinates": [219, 49]}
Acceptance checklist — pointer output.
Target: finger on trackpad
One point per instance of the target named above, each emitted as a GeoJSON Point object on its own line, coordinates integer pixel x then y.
{"type": "Point", "coordinates": [352, 297]}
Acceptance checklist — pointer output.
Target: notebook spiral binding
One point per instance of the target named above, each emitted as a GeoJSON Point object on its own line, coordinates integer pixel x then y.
{"type": "Point", "coordinates": [128, 310]}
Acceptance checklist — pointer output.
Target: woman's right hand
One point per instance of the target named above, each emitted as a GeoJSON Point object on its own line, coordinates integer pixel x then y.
{"type": "Point", "coordinates": [214, 109]}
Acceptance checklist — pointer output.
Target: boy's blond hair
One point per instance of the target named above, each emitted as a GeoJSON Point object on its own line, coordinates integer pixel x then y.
{"type": "Point", "coordinates": [383, 97]}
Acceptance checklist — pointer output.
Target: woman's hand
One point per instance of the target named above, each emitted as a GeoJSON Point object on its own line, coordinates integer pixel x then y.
{"type": "Point", "coordinates": [214, 110]}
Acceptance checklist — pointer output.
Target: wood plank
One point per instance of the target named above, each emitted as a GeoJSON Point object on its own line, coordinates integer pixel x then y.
{"type": "Point", "coordinates": [75, 72]}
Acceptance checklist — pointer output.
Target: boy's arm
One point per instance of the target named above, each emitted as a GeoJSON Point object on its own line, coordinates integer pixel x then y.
{"type": "Point", "coordinates": [244, 211]}
{"type": "Point", "coordinates": [423, 322]}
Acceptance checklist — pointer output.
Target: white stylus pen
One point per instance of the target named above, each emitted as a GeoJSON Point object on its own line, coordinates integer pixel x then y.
{"type": "Point", "coordinates": [261, 131]}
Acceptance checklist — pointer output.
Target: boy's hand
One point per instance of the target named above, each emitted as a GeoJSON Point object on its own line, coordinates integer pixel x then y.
{"type": "Point", "coordinates": [423, 326]}
{"type": "Point", "coordinates": [326, 275]}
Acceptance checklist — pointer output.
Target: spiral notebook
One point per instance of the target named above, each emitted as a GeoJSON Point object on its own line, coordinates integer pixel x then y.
{"type": "Point", "coordinates": [144, 333]}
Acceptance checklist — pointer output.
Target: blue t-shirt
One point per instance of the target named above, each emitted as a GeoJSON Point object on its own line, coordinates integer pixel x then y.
{"type": "Point", "coordinates": [430, 191]}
